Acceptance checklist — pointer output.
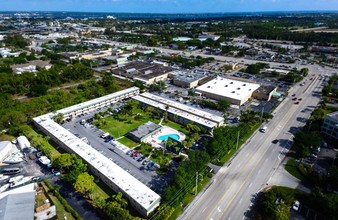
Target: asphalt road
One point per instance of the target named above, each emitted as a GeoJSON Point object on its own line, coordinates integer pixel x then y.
{"type": "Point", "coordinates": [234, 187]}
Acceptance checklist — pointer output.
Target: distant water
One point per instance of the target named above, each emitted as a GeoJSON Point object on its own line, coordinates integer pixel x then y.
{"type": "Point", "coordinates": [103, 15]}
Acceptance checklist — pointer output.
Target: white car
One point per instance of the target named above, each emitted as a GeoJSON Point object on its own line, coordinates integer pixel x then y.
{"type": "Point", "coordinates": [296, 205]}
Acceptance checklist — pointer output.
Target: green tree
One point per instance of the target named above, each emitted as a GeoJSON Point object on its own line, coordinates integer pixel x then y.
{"type": "Point", "coordinates": [63, 161]}
{"type": "Point", "coordinates": [84, 183]}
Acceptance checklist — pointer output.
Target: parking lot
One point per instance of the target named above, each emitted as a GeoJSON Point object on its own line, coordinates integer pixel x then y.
{"type": "Point", "coordinates": [115, 151]}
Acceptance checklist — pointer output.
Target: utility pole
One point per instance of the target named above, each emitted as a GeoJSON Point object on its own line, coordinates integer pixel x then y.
{"type": "Point", "coordinates": [196, 183]}
{"type": "Point", "coordinates": [237, 141]}
{"type": "Point", "coordinates": [262, 113]}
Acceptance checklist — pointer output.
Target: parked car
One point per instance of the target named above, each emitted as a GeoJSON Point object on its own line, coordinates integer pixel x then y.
{"type": "Point", "coordinates": [137, 156]}
{"type": "Point", "coordinates": [145, 161]}
{"type": "Point", "coordinates": [150, 164]}
{"type": "Point", "coordinates": [141, 158]}
{"type": "Point", "coordinates": [129, 152]}
{"type": "Point", "coordinates": [134, 153]}
{"type": "Point", "coordinates": [296, 205]}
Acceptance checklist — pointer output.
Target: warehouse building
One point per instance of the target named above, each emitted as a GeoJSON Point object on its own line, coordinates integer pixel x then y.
{"type": "Point", "coordinates": [5, 149]}
{"type": "Point", "coordinates": [234, 91]}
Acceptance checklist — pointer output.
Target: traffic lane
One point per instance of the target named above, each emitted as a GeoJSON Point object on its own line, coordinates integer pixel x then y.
{"type": "Point", "coordinates": [272, 154]}
{"type": "Point", "coordinates": [237, 209]}
{"type": "Point", "coordinates": [249, 158]}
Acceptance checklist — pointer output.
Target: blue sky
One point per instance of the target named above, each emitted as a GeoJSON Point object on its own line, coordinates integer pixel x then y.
{"type": "Point", "coordinates": [167, 6]}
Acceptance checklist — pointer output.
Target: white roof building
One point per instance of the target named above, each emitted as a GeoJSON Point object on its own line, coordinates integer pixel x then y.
{"type": "Point", "coordinates": [182, 111]}
{"type": "Point", "coordinates": [5, 149]}
{"type": "Point", "coordinates": [23, 142]}
{"type": "Point", "coordinates": [141, 197]}
{"type": "Point", "coordinates": [234, 91]}
{"type": "Point", "coordinates": [93, 104]}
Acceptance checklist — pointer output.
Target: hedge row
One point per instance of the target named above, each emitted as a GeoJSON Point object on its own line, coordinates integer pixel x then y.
{"type": "Point", "coordinates": [62, 200]}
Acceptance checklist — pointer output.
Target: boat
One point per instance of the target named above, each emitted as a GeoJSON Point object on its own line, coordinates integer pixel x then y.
{"type": "Point", "coordinates": [21, 181]}
{"type": "Point", "coordinates": [4, 187]}
{"type": "Point", "coordinates": [45, 161]}
{"type": "Point", "coordinates": [14, 158]}
{"type": "Point", "coordinates": [3, 177]}
{"type": "Point", "coordinates": [15, 179]}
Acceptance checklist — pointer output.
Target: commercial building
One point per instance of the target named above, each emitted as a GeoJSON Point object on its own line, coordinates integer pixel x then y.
{"type": "Point", "coordinates": [31, 66]}
{"type": "Point", "coordinates": [148, 73]}
{"type": "Point", "coordinates": [5, 149]}
{"type": "Point", "coordinates": [94, 104]}
{"type": "Point", "coordinates": [234, 91]}
{"type": "Point", "coordinates": [264, 92]}
{"type": "Point", "coordinates": [180, 113]}
{"type": "Point", "coordinates": [186, 79]}
{"type": "Point", "coordinates": [330, 126]}
{"type": "Point", "coordinates": [142, 198]}
{"type": "Point", "coordinates": [208, 36]}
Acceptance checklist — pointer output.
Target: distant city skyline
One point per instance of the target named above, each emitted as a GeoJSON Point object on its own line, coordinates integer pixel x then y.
{"type": "Point", "coordinates": [169, 6]}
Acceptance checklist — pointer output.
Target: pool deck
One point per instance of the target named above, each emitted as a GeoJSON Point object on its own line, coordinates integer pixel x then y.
{"type": "Point", "coordinates": [154, 139]}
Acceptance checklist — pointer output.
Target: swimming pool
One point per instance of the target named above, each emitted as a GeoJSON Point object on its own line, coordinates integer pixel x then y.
{"type": "Point", "coordinates": [165, 137]}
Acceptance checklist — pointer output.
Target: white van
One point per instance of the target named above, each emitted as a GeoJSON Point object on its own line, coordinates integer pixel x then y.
{"type": "Point", "coordinates": [263, 129]}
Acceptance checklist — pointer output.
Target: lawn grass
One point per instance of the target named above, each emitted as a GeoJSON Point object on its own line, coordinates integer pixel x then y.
{"type": "Point", "coordinates": [175, 126]}
{"type": "Point", "coordinates": [128, 142]}
{"type": "Point", "coordinates": [60, 209]}
{"type": "Point", "coordinates": [6, 137]}
{"type": "Point", "coordinates": [292, 168]}
{"type": "Point", "coordinates": [100, 191]}
{"type": "Point", "coordinates": [121, 125]}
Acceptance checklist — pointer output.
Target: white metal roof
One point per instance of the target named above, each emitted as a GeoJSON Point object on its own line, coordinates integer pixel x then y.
{"type": "Point", "coordinates": [96, 101]}
{"type": "Point", "coordinates": [23, 142]}
{"type": "Point", "coordinates": [185, 111]}
{"type": "Point", "coordinates": [230, 88]}
{"type": "Point", "coordinates": [126, 182]}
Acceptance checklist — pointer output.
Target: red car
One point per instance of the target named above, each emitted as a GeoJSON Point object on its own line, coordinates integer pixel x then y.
{"type": "Point", "coordinates": [134, 154]}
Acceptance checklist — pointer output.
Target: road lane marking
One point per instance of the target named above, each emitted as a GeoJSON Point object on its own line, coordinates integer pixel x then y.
{"type": "Point", "coordinates": [287, 117]}
{"type": "Point", "coordinates": [204, 209]}
{"type": "Point", "coordinates": [245, 180]}
{"type": "Point", "coordinates": [250, 185]}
